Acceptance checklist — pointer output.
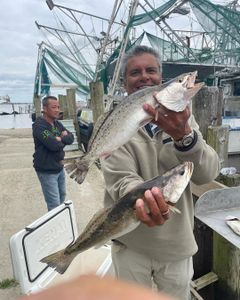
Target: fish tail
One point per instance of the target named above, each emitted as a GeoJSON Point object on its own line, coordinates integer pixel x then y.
{"type": "Point", "coordinates": [78, 168]}
{"type": "Point", "coordinates": [60, 261]}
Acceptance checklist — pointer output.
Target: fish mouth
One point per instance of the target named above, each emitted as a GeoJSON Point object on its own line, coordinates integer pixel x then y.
{"type": "Point", "coordinates": [189, 80]}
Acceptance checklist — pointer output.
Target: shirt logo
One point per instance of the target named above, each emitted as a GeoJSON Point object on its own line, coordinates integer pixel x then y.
{"type": "Point", "coordinates": [46, 134]}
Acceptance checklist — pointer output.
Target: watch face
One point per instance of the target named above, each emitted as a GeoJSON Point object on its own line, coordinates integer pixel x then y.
{"type": "Point", "coordinates": [187, 141]}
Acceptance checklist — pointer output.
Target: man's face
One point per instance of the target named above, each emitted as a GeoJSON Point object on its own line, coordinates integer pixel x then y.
{"type": "Point", "coordinates": [51, 111]}
{"type": "Point", "coordinates": [142, 71]}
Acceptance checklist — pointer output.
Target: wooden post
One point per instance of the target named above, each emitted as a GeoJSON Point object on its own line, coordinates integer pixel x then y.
{"type": "Point", "coordinates": [71, 103]}
{"type": "Point", "coordinates": [97, 106]}
{"type": "Point", "coordinates": [72, 110]}
{"type": "Point", "coordinates": [37, 105]}
{"type": "Point", "coordinates": [226, 257]}
{"type": "Point", "coordinates": [217, 138]}
{"type": "Point", "coordinates": [229, 180]}
{"type": "Point", "coordinates": [63, 106]}
{"type": "Point", "coordinates": [226, 264]}
{"type": "Point", "coordinates": [207, 108]}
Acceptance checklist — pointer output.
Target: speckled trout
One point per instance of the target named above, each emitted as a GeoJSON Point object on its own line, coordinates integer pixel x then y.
{"type": "Point", "coordinates": [119, 219]}
{"type": "Point", "coordinates": [118, 126]}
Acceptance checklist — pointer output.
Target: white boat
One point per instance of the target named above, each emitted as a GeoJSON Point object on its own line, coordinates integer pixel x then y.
{"type": "Point", "coordinates": [4, 99]}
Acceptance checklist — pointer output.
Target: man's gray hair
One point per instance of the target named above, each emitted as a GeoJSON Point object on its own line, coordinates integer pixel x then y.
{"type": "Point", "coordinates": [139, 50]}
{"type": "Point", "coordinates": [45, 100]}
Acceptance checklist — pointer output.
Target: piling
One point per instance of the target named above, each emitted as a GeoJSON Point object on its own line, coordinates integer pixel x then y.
{"type": "Point", "coordinates": [97, 103]}
{"type": "Point", "coordinates": [207, 107]}
{"type": "Point", "coordinates": [72, 110]}
{"type": "Point", "coordinates": [63, 106]}
{"type": "Point", "coordinates": [217, 138]}
{"type": "Point", "coordinates": [37, 105]}
{"type": "Point", "coordinates": [226, 264]}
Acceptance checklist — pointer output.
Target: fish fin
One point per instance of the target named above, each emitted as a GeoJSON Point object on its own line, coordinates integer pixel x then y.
{"type": "Point", "coordinates": [79, 175]}
{"type": "Point", "coordinates": [78, 168]}
{"type": "Point", "coordinates": [70, 167]}
{"type": "Point", "coordinates": [174, 209]}
{"type": "Point", "coordinates": [58, 261]}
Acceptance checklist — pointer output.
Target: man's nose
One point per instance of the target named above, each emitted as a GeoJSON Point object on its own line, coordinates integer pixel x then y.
{"type": "Point", "coordinates": [145, 75]}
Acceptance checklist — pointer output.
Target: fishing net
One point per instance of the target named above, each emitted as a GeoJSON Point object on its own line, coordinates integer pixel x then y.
{"type": "Point", "coordinates": [220, 31]}
{"type": "Point", "coordinates": [222, 25]}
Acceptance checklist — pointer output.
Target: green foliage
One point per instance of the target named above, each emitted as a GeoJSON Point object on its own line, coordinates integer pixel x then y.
{"type": "Point", "coordinates": [8, 283]}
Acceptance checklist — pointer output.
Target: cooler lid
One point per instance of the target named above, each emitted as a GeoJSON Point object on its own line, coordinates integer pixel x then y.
{"type": "Point", "coordinates": [50, 233]}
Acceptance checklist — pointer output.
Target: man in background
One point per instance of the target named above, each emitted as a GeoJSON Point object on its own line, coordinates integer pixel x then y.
{"type": "Point", "coordinates": [50, 138]}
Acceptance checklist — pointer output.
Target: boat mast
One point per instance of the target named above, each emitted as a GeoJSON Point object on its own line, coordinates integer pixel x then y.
{"type": "Point", "coordinates": [113, 83]}
{"type": "Point", "coordinates": [106, 38]}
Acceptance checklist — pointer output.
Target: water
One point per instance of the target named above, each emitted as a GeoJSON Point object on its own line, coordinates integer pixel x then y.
{"type": "Point", "coordinates": [20, 120]}
{"type": "Point", "coordinates": [15, 121]}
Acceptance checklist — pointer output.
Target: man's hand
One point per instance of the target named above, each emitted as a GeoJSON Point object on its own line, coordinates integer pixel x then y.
{"type": "Point", "coordinates": [92, 287]}
{"type": "Point", "coordinates": [64, 133]}
{"type": "Point", "coordinates": [173, 123]}
{"type": "Point", "coordinates": [152, 210]}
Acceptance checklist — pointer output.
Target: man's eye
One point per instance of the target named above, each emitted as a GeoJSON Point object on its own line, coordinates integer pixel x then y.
{"type": "Point", "coordinates": [134, 73]}
{"type": "Point", "coordinates": [152, 71]}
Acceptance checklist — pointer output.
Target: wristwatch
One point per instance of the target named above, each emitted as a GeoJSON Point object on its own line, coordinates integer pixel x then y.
{"type": "Point", "coordinates": [186, 141]}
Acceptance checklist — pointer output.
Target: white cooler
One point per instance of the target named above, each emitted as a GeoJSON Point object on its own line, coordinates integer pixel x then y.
{"type": "Point", "coordinates": [50, 233]}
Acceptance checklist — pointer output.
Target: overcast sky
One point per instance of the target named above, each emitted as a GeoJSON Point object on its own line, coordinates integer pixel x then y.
{"type": "Point", "coordinates": [19, 39]}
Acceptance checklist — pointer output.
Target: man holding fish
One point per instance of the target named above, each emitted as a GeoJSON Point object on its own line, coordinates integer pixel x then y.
{"type": "Point", "coordinates": [162, 254]}
{"type": "Point", "coordinates": [147, 169]}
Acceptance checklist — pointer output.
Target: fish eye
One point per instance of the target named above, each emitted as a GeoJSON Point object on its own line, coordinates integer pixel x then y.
{"type": "Point", "coordinates": [180, 80]}
{"type": "Point", "coordinates": [182, 172]}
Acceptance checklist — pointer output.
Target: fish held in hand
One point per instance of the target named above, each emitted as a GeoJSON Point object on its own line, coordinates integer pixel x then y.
{"type": "Point", "coordinates": [119, 219]}
{"type": "Point", "coordinates": [117, 127]}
